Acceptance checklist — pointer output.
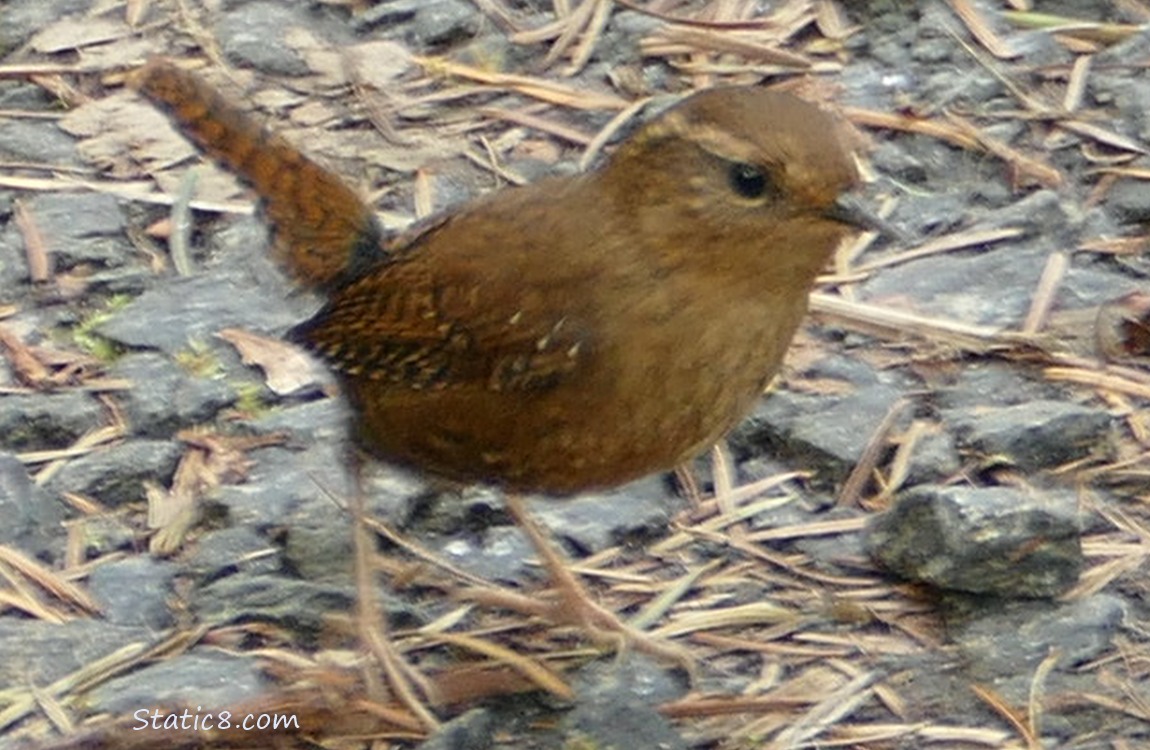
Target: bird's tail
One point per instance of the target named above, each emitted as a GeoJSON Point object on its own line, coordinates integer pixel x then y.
{"type": "Point", "coordinates": [321, 227]}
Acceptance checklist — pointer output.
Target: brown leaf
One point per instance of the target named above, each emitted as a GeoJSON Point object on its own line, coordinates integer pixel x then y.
{"type": "Point", "coordinates": [286, 368]}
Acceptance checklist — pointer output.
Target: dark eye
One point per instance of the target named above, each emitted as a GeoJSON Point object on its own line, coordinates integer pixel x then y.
{"type": "Point", "coordinates": [748, 180]}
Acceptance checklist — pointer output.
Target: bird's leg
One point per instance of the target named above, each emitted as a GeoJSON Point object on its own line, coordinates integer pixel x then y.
{"type": "Point", "coordinates": [575, 604]}
{"type": "Point", "coordinates": [403, 679]}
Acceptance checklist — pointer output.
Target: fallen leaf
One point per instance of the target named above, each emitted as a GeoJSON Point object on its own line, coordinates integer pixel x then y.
{"type": "Point", "coordinates": [287, 369]}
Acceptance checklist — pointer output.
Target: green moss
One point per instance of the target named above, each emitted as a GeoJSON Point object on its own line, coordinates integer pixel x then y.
{"type": "Point", "coordinates": [198, 360]}
{"type": "Point", "coordinates": [250, 399]}
{"type": "Point", "coordinates": [84, 334]}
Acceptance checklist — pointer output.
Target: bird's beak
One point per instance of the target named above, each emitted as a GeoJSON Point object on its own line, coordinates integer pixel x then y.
{"type": "Point", "coordinates": [849, 209]}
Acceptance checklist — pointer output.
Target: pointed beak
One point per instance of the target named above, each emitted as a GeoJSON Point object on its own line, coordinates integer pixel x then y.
{"type": "Point", "coordinates": [849, 209]}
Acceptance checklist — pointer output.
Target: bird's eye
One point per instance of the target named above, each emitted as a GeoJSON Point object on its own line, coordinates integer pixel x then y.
{"type": "Point", "coordinates": [748, 180]}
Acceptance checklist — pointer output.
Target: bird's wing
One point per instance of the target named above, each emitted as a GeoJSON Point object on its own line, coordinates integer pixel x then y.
{"type": "Point", "coordinates": [416, 328]}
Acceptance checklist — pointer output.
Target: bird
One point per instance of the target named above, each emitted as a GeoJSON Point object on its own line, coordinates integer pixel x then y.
{"type": "Point", "coordinates": [568, 335]}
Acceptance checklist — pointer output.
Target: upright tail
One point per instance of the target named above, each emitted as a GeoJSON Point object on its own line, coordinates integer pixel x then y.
{"type": "Point", "coordinates": [323, 230]}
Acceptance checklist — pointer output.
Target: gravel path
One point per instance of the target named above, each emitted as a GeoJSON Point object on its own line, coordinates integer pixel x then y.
{"type": "Point", "coordinates": [932, 534]}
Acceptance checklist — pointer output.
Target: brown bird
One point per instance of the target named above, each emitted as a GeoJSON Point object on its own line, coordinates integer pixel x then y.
{"type": "Point", "coordinates": [573, 334]}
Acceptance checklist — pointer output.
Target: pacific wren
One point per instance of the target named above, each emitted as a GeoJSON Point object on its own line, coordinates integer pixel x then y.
{"type": "Point", "coordinates": [573, 334]}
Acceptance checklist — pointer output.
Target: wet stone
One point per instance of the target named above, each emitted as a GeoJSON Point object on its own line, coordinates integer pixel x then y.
{"type": "Point", "coordinates": [134, 591]}
{"type": "Point", "coordinates": [1010, 639]}
{"type": "Point", "coordinates": [618, 707]}
{"type": "Point", "coordinates": [285, 486]}
{"type": "Point", "coordinates": [1131, 201]}
{"type": "Point", "coordinates": [203, 679]}
{"type": "Point", "coordinates": [192, 310]}
{"type": "Point", "coordinates": [82, 227]}
{"type": "Point", "coordinates": [164, 398]}
{"type": "Point", "coordinates": [441, 23]}
{"type": "Point", "coordinates": [1033, 435]}
{"type": "Point", "coordinates": [824, 432]}
{"type": "Point", "coordinates": [253, 35]}
{"type": "Point", "coordinates": [935, 457]}
{"type": "Point", "coordinates": [319, 546]}
{"type": "Point", "coordinates": [993, 540]}
{"type": "Point", "coordinates": [985, 288]}
{"type": "Point", "coordinates": [34, 652]}
{"type": "Point", "coordinates": [44, 421]}
{"type": "Point", "coordinates": [115, 476]}
{"type": "Point", "coordinates": [225, 552]}
{"type": "Point", "coordinates": [103, 534]}
{"type": "Point", "coordinates": [473, 730]}
{"type": "Point", "coordinates": [992, 384]}
{"type": "Point", "coordinates": [499, 554]}
{"type": "Point", "coordinates": [19, 19]}
{"type": "Point", "coordinates": [31, 519]}
{"type": "Point", "coordinates": [638, 512]}
{"type": "Point", "coordinates": [426, 23]}
{"type": "Point", "coordinates": [37, 142]}
{"type": "Point", "coordinates": [297, 606]}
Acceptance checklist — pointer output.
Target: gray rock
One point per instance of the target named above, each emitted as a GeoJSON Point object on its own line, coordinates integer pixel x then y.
{"type": "Point", "coordinates": [1033, 435]}
{"type": "Point", "coordinates": [193, 309]}
{"type": "Point", "coordinates": [501, 554]}
{"type": "Point", "coordinates": [81, 215]}
{"type": "Point", "coordinates": [101, 534]}
{"type": "Point", "coordinates": [40, 142]}
{"type": "Point", "coordinates": [444, 22]}
{"type": "Point", "coordinates": [473, 730]}
{"type": "Point", "coordinates": [81, 227]}
{"type": "Point", "coordinates": [935, 457]}
{"type": "Point", "coordinates": [32, 520]}
{"type": "Point", "coordinates": [834, 552]}
{"type": "Point", "coordinates": [319, 547]}
{"type": "Point", "coordinates": [34, 652]}
{"type": "Point", "coordinates": [618, 707]}
{"type": "Point", "coordinates": [1042, 213]}
{"type": "Point", "coordinates": [115, 475]}
{"type": "Point", "coordinates": [1131, 201]}
{"type": "Point", "coordinates": [298, 606]}
{"type": "Point", "coordinates": [285, 486]}
{"type": "Point", "coordinates": [987, 288]}
{"type": "Point", "coordinates": [325, 420]}
{"type": "Point", "coordinates": [164, 398]}
{"type": "Point", "coordinates": [135, 591]}
{"type": "Point", "coordinates": [253, 35]}
{"type": "Point", "coordinates": [237, 550]}
{"type": "Point", "coordinates": [1090, 287]}
{"type": "Point", "coordinates": [593, 522]}
{"type": "Point", "coordinates": [426, 23]}
{"type": "Point", "coordinates": [986, 384]}
{"type": "Point", "coordinates": [198, 682]}
{"type": "Point", "coordinates": [43, 421]}
{"type": "Point", "coordinates": [1010, 639]}
{"type": "Point", "coordinates": [587, 524]}
{"type": "Point", "coordinates": [19, 19]}
{"type": "Point", "coordinates": [994, 540]}
{"type": "Point", "coordinates": [824, 432]}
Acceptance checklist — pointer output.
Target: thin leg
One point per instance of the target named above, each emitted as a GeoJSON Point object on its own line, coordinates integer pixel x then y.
{"type": "Point", "coordinates": [575, 604]}
{"type": "Point", "coordinates": [372, 622]}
